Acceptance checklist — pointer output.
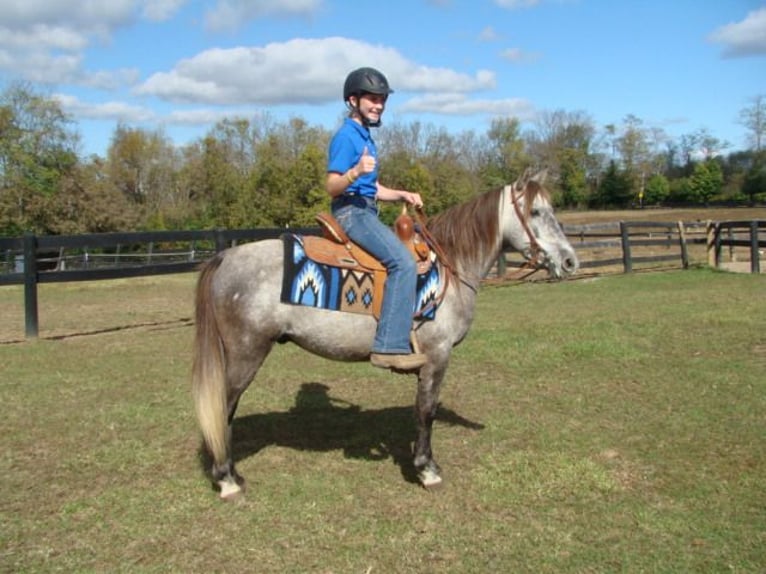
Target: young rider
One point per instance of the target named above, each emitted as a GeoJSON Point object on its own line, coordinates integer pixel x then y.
{"type": "Point", "coordinates": [352, 182]}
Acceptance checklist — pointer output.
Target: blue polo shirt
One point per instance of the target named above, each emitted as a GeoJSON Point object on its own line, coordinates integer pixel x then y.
{"type": "Point", "coordinates": [346, 148]}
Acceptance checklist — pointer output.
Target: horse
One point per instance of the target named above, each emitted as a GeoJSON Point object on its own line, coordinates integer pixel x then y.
{"type": "Point", "coordinates": [239, 315]}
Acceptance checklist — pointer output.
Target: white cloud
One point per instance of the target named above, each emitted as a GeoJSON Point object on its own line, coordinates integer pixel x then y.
{"type": "Point", "coordinates": [231, 14]}
{"type": "Point", "coordinates": [461, 105]}
{"type": "Point", "coordinates": [44, 41]}
{"type": "Point", "coordinates": [297, 71]}
{"type": "Point", "coordinates": [160, 10]}
{"type": "Point", "coordinates": [41, 66]}
{"type": "Point", "coordinates": [204, 116]}
{"type": "Point", "coordinates": [42, 36]}
{"type": "Point", "coordinates": [86, 17]}
{"type": "Point", "coordinates": [489, 34]}
{"type": "Point", "coordinates": [518, 56]}
{"type": "Point", "coordinates": [745, 38]}
{"type": "Point", "coordinates": [513, 4]}
{"type": "Point", "coordinates": [116, 111]}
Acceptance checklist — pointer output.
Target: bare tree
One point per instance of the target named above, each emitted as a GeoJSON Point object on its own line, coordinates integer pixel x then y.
{"type": "Point", "coordinates": [753, 117]}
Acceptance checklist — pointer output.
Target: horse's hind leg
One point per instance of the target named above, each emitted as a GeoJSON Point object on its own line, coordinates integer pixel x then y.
{"type": "Point", "coordinates": [429, 385]}
{"type": "Point", "coordinates": [240, 372]}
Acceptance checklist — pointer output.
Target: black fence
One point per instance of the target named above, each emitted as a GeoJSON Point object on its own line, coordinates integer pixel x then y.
{"type": "Point", "coordinates": [30, 260]}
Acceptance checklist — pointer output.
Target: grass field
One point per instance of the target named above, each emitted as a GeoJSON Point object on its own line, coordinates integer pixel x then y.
{"type": "Point", "coordinates": [612, 424]}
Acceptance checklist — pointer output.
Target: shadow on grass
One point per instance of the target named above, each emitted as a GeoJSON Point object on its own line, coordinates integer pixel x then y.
{"type": "Point", "coordinates": [319, 422]}
{"type": "Point", "coordinates": [148, 325]}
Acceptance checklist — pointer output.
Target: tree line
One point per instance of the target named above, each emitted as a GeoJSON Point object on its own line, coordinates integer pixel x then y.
{"type": "Point", "coordinates": [264, 173]}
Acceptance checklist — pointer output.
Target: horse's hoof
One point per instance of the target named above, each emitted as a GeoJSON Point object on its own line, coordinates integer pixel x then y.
{"type": "Point", "coordinates": [231, 491]}
{"type": "Point", "coordinates": [429, 479]}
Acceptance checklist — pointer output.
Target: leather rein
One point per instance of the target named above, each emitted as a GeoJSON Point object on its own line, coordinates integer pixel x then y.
{"type": "Point", "coordinates": [531, 265]}
{"type": "Point", "coordinates": [441, 257]}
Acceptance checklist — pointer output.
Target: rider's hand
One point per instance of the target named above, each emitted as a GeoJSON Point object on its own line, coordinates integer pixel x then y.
{"type": "Point", "coordinates": [413, 199]}
{"type": "Point", "coordinates": [366, 163]}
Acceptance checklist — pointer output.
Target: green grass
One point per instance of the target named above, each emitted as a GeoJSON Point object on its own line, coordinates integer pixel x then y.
{"type": "Point", "coordinates": [603, 425]}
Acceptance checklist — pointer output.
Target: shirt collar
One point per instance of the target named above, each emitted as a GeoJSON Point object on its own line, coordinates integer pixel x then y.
{"type": "Point", "coordinates": [363, 130]}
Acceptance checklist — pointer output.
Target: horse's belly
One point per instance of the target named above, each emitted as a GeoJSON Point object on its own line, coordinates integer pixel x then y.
{"type": "Point", "coordinates": [330, 334]}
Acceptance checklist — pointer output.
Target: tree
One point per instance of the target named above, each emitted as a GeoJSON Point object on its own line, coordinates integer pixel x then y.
{"type": "Point", "coordinates": [505, 155]}
{"type": "Point", "coordinates": [706, 181]}
{"type": "Point", "coordinates": [635, 153]}
{"type": "Point", "coordinates": [753, 117]}
{"type": "Point", "coordinates": [38, 149]}
{"type": "Point", "coordinates": [614, 190]}
{"type": "Point", "coordinates": [572, 178]}
{"type": "Point", "coordinates": [287, 183]}
{"type": "Point", "coordinates": [754, 184]}
{"type": "Point", "coordinates": [657, 190]}
{"type": "Point", "coordinates": [142, 164]}
{"type": "Point", "coordinates": [709, 145]}
{"type": "Point", "coordinates": [563, 142]}
{"type": "Point", "coordinates": [89, 203]}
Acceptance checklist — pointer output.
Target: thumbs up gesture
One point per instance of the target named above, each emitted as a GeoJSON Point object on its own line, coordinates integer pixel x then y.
{"type": "Point", "coordinates": [366, 163]}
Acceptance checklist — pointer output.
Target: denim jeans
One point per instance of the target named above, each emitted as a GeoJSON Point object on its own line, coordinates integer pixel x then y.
{"type": "Point", "coordinates": [358, 216]}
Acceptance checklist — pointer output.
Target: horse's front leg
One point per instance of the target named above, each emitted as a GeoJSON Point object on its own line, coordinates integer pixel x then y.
{"type": "Point", "coordinates": [429, 385]}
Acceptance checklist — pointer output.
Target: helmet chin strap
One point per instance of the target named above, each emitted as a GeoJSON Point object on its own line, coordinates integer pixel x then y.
{"type": "Point", "coordinates": [370, 124]}
{"type": "Point", "coordinates": [365, 120]}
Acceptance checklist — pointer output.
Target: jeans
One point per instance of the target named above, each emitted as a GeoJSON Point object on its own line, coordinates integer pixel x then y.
{"type": "Point", "coordinates": [358, 216]}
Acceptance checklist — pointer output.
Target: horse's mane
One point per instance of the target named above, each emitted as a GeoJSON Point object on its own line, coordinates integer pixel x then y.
{"type": "Point", "coordinates": [471, 229]}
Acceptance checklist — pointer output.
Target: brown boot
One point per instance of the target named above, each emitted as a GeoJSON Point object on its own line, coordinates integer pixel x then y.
{"type": "Point", "coordinates": [411, 362]}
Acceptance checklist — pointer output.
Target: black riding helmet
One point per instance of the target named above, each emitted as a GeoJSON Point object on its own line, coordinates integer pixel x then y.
{"type": "Point", "coordinates": [365, 81]}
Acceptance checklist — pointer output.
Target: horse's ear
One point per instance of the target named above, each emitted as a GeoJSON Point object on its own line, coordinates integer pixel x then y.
{"type": "Point", "coordinates": [523, 179]}
{"type": "Point", "coordinates": [540, 176]}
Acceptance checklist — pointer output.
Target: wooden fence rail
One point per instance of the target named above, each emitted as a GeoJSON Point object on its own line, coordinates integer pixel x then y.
{"type": "Point", "coordinates": [30, 260]}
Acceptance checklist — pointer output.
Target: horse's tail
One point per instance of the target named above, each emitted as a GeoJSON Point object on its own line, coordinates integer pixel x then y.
{"type": "Point", "coordinates": [208, 370]}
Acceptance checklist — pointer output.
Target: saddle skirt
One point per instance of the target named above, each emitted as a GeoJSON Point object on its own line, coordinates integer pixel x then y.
{"type": "Point", "coordinates": [332, 272]}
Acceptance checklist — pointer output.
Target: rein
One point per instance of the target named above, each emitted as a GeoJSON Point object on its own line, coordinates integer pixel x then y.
{"type": "Point", "coordinates": [531, 265]}
{"type": "Point", "coordinates": [442, 257]}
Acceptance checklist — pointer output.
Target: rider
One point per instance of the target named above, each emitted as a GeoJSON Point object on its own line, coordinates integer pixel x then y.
{"type": "Point", "coordinates": [352, 182]}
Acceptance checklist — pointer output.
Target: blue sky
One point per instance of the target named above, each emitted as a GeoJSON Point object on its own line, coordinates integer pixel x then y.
{"type": "Point", "coordinates": [182, 65]}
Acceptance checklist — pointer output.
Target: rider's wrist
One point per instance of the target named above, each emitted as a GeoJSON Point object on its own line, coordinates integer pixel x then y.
{"type": "Point", "coordinates": [351, 175]}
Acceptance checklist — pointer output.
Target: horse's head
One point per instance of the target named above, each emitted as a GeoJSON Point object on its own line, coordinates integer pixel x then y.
{"type": "Point", "coordinates": [530, 227]}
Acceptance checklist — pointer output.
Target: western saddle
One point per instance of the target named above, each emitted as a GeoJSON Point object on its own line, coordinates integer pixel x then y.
{"type": "Point", "coordinates": [336, 249]}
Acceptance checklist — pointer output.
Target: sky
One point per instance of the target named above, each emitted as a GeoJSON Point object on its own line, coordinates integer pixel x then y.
{"type": "Point", "coordinates": [180, 66]}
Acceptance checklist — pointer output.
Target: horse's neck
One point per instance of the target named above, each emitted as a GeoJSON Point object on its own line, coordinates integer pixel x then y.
{"type": "Point", "coordinates": [473, 264]}
{"type": "Point", "coordinates": [476, 268]}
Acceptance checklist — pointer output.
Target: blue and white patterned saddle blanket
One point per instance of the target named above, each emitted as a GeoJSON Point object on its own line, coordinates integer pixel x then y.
{"type": "Point", "coordinates": [313, 284]}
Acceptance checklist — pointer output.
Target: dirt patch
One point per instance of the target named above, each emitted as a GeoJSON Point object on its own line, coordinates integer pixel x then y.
{"type": "Point", "coordinates": [737, 266]}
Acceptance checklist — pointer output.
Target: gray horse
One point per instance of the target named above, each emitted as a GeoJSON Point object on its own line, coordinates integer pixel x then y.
{"type": "Point", "coordinates": [239, 315]}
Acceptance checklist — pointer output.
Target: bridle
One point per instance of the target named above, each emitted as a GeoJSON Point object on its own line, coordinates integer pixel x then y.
{"type": "Point", "coordinates": [532, 264]}
{"type": "Point", "coordinates": [529, 267]}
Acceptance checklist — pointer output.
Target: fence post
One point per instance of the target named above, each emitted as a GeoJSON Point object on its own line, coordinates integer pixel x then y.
{"type": "Point", "coordinates": [718, 244]}
{"type": "Point", "coordinates": [220, 240]}
{"type": "Point", "coordinates": [502, 265]}
{"type": "Point", "coordinates": [710, 243]}
{"type": "Point", "coordinates": [684, 250]}
{"type": "Point", "coordinates": [30, 286]}
{"type": "Point", "coordinates": [755, 260]}
{"type": "Point", "coordinates": [627, 261]}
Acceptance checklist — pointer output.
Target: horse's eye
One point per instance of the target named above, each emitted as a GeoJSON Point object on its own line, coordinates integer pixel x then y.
{"type": "Point", "coordinates": [535, 212]}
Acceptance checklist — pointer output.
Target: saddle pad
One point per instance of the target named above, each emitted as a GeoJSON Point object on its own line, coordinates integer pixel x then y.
{"type": "Point", "coordinates": [312, 284]}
